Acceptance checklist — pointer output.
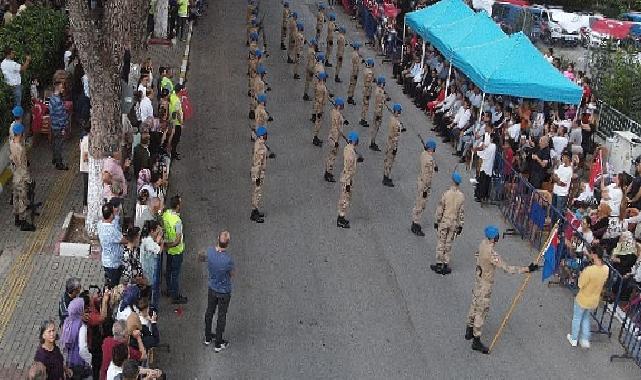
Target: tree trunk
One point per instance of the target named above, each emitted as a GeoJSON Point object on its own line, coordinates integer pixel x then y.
{"type": "Point", "coordinates": [101, 36]}
{"type": "Point", "coordinates": [160, 18]}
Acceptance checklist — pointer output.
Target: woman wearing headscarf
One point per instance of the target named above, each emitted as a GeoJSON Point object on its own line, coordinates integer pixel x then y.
{"type": "Point", "coordinates": [624, 255]}
{"type": "Point", "coordinates": [130, 298]}
{"type": "Point", "coordinates": [74, 340]}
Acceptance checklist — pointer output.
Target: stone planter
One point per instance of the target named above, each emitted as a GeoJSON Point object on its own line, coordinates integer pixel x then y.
{"type": "Point", "coordinates": [73, 239]}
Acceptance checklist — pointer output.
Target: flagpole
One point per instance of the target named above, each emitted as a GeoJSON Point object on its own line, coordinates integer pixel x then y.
{"type": "Point", "coordinates": [519, 294]}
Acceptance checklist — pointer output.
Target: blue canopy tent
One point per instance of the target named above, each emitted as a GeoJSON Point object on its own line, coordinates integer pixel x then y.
{"type": "Point", "coordinates": [513, 66]}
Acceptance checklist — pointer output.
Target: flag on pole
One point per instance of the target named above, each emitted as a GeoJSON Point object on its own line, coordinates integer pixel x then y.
{"type": "Point", "coordinates": [596, 170]}
{"type": "Point", "coordinates": [551, 251]}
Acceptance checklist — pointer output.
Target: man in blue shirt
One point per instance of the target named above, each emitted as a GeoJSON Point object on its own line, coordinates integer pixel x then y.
{"type": "Point", "coordinates": [111, 244]}
{"type": "Point", "coordinates": [221, 270]}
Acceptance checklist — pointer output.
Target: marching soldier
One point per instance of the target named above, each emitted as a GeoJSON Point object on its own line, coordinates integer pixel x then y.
{"type": "Point", "coordinates": [368, 78]}
{"type": "Point", "coordinates": [356, 68]}
{"type": "Point", "coordinates": [254, 59]}
{"type": "Point", "coordinates": [487, 260]}
{"type": "Point", "coordinates": [340, 52]}
{"type": "Point", "coordinates": [262, 116]}
{"type": "Point", "coordinates": [320, 98]}
{"type": "Point", "coordinates": [259, 86]}
{"type": "Point", "coordinates": [309, 70]}
{"type": "Point", "coordinates": [379, 102]}
{"type": "Point", "coordinates": [350, 159]}
{"type": "Point", "coordinates": [292, 36]}
{"type": "Point", "coordinates": [252, 28]}
{"type": "Point", "coordinates": [424, 185]}
{"type": "Point", "coordinates": [448, 222]}
{"type": "Point", "coordinates": [331, 27]}
{"type": "Point", "coordinates": [283, 30]}
{"type": "Point", "coordinates": [320, 20]}
{"type": "Point", "coordinates": [298, 47]}
{"type": "Point", "coordinates": [394, 131]}
{"type": "Point", "coordinates": [319, 67]}
{"type": "Point", "coordinates": [259, 163]}
{"type": "Point", "coordinates": [21, 178]}
{"type": "Point", "coordinates": [335, 132]}
{"type": "Point", "coordinates": [252, 10]}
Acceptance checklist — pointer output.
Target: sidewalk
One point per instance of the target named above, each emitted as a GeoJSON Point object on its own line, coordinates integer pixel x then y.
{"type": "Point", "coordinates": [32, 276]}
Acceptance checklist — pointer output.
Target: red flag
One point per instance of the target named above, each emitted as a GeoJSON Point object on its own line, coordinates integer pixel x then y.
{"type": "Point", "coordinates": [596, 170]}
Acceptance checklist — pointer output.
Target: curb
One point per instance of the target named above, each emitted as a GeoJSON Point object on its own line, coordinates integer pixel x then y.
{"type": "Point", "coordinates": [185, 62]}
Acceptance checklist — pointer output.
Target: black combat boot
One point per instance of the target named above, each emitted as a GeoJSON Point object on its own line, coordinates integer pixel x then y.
{"type": "Point", "coordinates": [350, 100]}
{"type": "Point", "coordinates": [289, 60]}
{"type": "Point", "coordinates": [337, 79]}
{"type": "Point", "coordinates": [26, 226]}
{"type": "Point", "coordinates": [327, 64]}
{"type": "Point", "coordinates": [469, 333]}
{"type": "Point", "coordinates": [317, 141]}
{"type": "Point", "coordinates": [256, 217]}
{"type": "Point", "coordinates": [374, 147]}
{"type": "Point", "coordinates": [416, 229]}
{"type": "Point", "coordinates": [270, 119]}
{"type": "Point", "coordinates": [437, 267]}
{"type": "Point", "coordinates": [306, 97]}
{"type": "Point", "coordinates": [342, 222]}
{"type": "Point", "coordinates": [387, 181]}
{"type": "Point", "coordinates": [362, 122]}
{"type": "Point", "coordinates": [313, 119]}
{"type": "Point", "coordinates": [329, 177]}
{"type": "Point", "coordinates": [446, 269]}
{"type": "Point", "coordinates": [296, 76]}
{"type": "Point", "coordinates": [478, 346]}
{"type": "Point", "coordinates": [252, 115]}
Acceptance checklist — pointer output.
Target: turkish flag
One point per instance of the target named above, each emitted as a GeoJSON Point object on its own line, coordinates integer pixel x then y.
{"type": "Point", "coordinates": [596, 170]}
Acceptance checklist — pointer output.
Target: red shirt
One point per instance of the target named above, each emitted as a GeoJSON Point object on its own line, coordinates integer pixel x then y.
{"type": "Point", "coordinates": [107, 346]}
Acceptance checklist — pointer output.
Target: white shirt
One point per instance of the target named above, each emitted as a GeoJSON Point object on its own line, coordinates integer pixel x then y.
{"type": "Point", "coordinates": [475, 99]}
{"type": "Point", "coordinates": [487, 155]}
{"type": "Point", "coordinates": [616, 196]}
{"type": "Point", "coordinates": [565, 175]}
{"type": "Point", "coordinates": [84, 148]}
{"type": "Point", "coordinates": [558, 145]}
{"type": "Point", "coordinates": [447, 103]}
{"type": "Point", "coordinates": [152, 192]}
{"type": "Point", "coordinates": [112, 371]}
{"type": "Point", "coordinates": [66, 59]}
{"type": "Point", "coordinates": [83, 349]}
{"type": "Point", "coordinates": [11, 72]}
{"type": "Point", "coordinates": [146, 109]}
{"type": "Point", "coordinates": [143, 89]}
{"type": "Point", "coordinates": [462, 117]}
{"type": "Point", "coordinates": [514, 131]}
{"type": "Point", "coordinates": [85, 85]}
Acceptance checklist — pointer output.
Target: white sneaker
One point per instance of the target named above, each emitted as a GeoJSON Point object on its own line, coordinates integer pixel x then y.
{"type": "Point", "coordinates": [573, 342]}
{"type": "Point", "coordinates": [584, 343]}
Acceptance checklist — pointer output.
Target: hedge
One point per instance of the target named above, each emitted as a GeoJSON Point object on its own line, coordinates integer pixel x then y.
{"type": "Point", "coordinates": [40, 32]}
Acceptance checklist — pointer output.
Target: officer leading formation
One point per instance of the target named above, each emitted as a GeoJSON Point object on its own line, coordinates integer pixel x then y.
{"type": "Point", "coordinates": [449, 216]}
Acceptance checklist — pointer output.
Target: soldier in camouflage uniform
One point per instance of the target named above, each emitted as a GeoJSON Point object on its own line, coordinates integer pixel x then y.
{"type": "Point", "coordinates": [309, 69]}
{"type": "Point", "coordinates": [298, 48]}
{"type": "Point", "coordinates": [262, 116]}
{"type": "Point", "coordinates": [356, 68]}
{"type": "Point", "coordinates": [254, 59]}
{"type": "Point", "coordinates": [424, 185]}
{"type": "Point", "coordinates": [379, 103]}
{"type": "Point", "coordinates": [292, 36]}
{"type": "Point", "coordinates": [321, 95]}
{"type": "Point", "coordinates": [340, 53]}
{"type": "Point", "coordinates": [258, 86]}
{"type": "Point", "coordinates": [448, 222]}
{"type": "Point", "coordinates": [335, 132]}
{"type": "Point", "coordinates": [331, 28]}
{"type": "Point", "coordinates": [368, 79]}
{"type": "Point", "coordinates": [252, 11]}
{"type": "Point", "coordinates": [283, 30]}
{"type": "Point", "coordinates": [393, 133]}
{"type": "Point", "coordinates": [21, 178]}
{"type": "Point", "coordinates": [259, 163]}
{"type": "Point", "coordinates": [487, 260]}
{"type": "Point", "coordinates": [320, 20]}
{"type": "Point", "coordinates": [349, 170]}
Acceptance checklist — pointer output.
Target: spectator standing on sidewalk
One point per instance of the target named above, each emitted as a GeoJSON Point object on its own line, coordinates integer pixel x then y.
{"type": "Point", "coordinates": [111, 244]}
{"type": "Point", "coordinates": [59, 120]}
{"type": "Point", "coordinates": [73, 288]}
{"type": "Point", "coordinates": [11, 71]}
{"type": "Point", "coordinates": [174, 242]}
{"type": "Point", "coordinates": [221, 270]}
{"type": "Point", "coordinates": [49, 353]}
{"type": "Point", "coordinates": [183, 13]}
{"type": "Point", "coordinates": [562, 179]}
{"type": "Point", "coordinates": [591, 282]}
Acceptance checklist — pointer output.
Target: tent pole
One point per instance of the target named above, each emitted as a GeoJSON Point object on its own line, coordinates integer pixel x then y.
{"type": "Point", "coordinates": [403, 42]}
{"type": "Point", "coordinates": [481, 108]}
{"type": "Point", "coordinates": [447, 83]}
{"type": "Point", "coordinates": [423, 57]}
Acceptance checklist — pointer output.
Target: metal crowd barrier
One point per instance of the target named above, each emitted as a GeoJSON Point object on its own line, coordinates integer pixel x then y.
{"type": "Point", "coordinates": [630, 333]}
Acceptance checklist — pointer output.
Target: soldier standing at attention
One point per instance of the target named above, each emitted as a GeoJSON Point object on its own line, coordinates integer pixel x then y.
{"type": "Point", "coordinates": [283, 30]}
{"type": "Point", "coordinates": [331, 27]}
{"type": "Point", "coordinates": [394, 131]}
{"type": "Point", "coordinates": [251, 14]}
{"type": "Point", "coordinates": [340, 52]}
{"type": "Point", "coordinates": [292, 36]}
{"type": "Point", "coordinates": [335, 132]}
{"type": "Point", "coordinates": [254, 58]}
{"type": "Point", "coordinates": [448, 222]}
{"type": "Point", "coordinates": [424, 185]}
{"type": "Point", "coordinates": [262, 116]}
{"type": "Point", "coordinates": [487, 260]}
{"type": "Point", "coordinates": [259, 163]}
{"type": "Point", "coordinates": [356, 68]}
{"type": "Point", "coordinates": [309, 70]}
{"type": "Point", "coordinates": [298, 47]}
{"type": "Point", "coordinates": [258, 86]}
{"type": "Point", "coordinates": [21, 178]}
{"type": "Point", "coordinates": [320, 20]}
{"type": "Point", "coordinates": [349, 170]}
{"type": "Point", "coordinates": [379, 102]}
{"type": "Point", "coordinates": [252, 28]}
{"type": "Point", "coordinates": [368, 79]}
{"type": "Point", "coordinates": [320, 98]}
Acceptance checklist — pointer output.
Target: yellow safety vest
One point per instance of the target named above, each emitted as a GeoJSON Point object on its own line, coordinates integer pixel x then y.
{"type": "Point", "coordinates": [169, 221]}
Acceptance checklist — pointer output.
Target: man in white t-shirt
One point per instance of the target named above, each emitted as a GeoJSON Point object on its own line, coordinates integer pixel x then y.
{"type": "Point", "coordinates": [486, 154]}
{"type": "Point", "coordinates": [559, 143]}
{"type": "Point", "coordinates": [146, 108]}
{"type": "Point", "coordinates": [11, 71]}
{"type": "Point", "coordinates": [562, 179]}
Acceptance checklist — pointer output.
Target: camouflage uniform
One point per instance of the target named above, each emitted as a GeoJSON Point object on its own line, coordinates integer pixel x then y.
{"type": "Point", "coordinates": [320, 98]}
{"type": "Point", "coordinates": [309, 71]}
{"type": "Point", "coordinates": [449, 217]}
{"type": "Point", "coordinates": [332, 139]}
{"type": "Point", "coordinates": [320, 20]}
{"type": "Point", "coordinates": [349, 170]}
{"type": "Point", "coordinates": [283, 30]}
{"type": "Point", "coordinates": [258, 87]}
{"type": "Point", "coordinates": [260, 118]}
{"type": "Point", "coordinates": [340, 52]}
{"type": "Point", "coordinates": [259, 162]}
{"type": "Point", "coordinates": [379, 103]}
{"type": "Point", "coordinates": [21, 179]}
{"type": "Point", "coordinates": [253, 64]}
{"type": "Point", "coordinates": [331, 26]}
{"type": "Point", "coordinates": [292, 36]}
{"type": "Point", "coordinates": [394, 131]}
{"type": "Point", "coordinates": [424, 185]}
{"type": "Point", "coordinates": [298, 47]}
{"type": "Point", "coordinates": [368, 78]}
{"type": "Point", "coordinates": [487, 260]}
{"type": "Point", "coordinates": [356, 67]}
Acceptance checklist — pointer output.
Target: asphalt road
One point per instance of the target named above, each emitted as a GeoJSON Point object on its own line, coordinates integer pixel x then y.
{"type": "Point", "coordinates": [311, 300]}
